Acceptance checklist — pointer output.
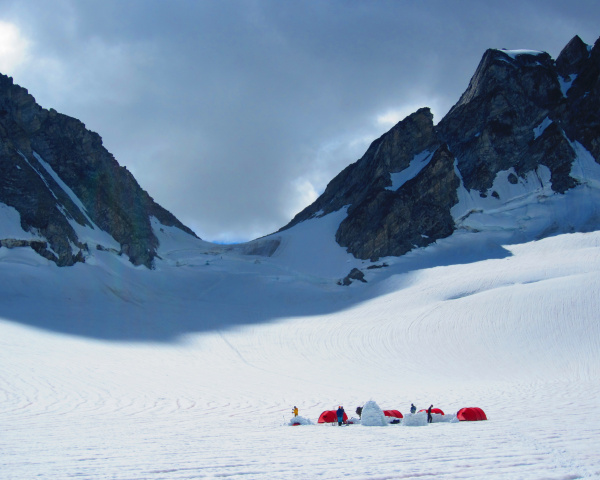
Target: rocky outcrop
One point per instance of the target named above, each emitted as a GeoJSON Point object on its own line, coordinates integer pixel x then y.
{"type": "Point", "coordinates": [573, 58]}
{"type": "Point", "coordinates": [382, 221]}
{"type": "Point", "coordinates": [579, 114]}
{"type": "Point", "coordinates": [492, 125]}
{"type": "Point", "coordinates": [391, 152]}
{"type": "Point", "coordinates": [395, 222]}
{"type": "Point", "coordinates": [521, 110]}
{"type": "Point", "coordinates": [58, 175]}
{"type": "Point", "coordinates": [355, 274]}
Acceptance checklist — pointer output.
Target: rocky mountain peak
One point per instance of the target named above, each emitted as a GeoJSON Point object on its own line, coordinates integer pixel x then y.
{"type": "Point", "coordinates": [70, 193]}
{"type": "Point", "coordinates": [494, 121]}
{"type": "Point", "coordinates": [392, 152]}
{"type": "Point", "coordinates": [517, 132]}
{"type": "Point", "coordinates": [507, 71]}
{"type": "Point", "coordinates": [572, 57]}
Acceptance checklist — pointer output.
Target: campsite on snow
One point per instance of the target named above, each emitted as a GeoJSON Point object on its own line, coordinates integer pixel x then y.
{"type": "Point", "coordinates": [454, 267]}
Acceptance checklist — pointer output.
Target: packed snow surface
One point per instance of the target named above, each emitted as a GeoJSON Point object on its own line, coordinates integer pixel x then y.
{"type": "Point", "coordinates": [191, 370]}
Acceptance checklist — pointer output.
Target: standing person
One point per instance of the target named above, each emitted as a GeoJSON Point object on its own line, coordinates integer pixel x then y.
{"type": "Point", "coordinates": [359, 411]}
{"type": "Point", "coordinates": [413, 409]}
{"type": "Point", "coordinates": [295, 411]}
{"type": "Point", "coordinates": [340, 415]}
{"type": "Point", "coordinates": [429, 417]}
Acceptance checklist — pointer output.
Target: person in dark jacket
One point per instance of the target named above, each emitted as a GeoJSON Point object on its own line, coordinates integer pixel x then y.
{"type": "Point", "coordinates": [429, 417]}
{"type": "Point", "coordinates": [359, 411]}
{"type": "Point", "coordinates": [413, 409]}
{"type": "Point", "coordinates": [340, 415]}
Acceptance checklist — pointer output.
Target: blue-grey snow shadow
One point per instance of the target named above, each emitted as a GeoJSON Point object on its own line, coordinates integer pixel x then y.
{"type": "Point", "coordinates": [121, 312]}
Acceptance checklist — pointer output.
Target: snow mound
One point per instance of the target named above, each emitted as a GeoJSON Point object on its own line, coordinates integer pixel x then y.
{"type": "Point", "coordinates": [415, 419]}
{"type": "Point", "coordinates": [420, 419]}
{"type": "Point", "coordinates": [437, 418]}
{"type": "Point", "coordinates": [372, 415]}
{"type": "Point", "coordinates": [299, 421]}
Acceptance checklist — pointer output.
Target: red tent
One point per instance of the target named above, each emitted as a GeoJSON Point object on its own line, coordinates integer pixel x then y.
{"type": "Point", "coordinates": [433, 410]}
{"type": "Point", "coordinates": [471, 414]}
{"type": "Point", "coordinates": [330, 416]}
{"type": "Point", "coordinates": [392, 413]}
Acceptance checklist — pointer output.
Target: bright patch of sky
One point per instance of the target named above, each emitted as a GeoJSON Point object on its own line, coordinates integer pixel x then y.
{"type": "Point", "coordinates": [306, 193]}
{"type": "Point", "coordinates": [392, 117]}
{"type": "Point", "coordinates": [14, 47]}
{"type": "Point", "coordinates": [439, 107]}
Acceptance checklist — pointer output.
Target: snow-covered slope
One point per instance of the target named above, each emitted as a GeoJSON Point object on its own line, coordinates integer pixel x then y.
{"type": "Point", "coordinates": [70, 192]}
{"type": "Point", "coordinates": [108, 370]}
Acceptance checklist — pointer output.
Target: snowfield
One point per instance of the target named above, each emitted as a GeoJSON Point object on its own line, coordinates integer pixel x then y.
{"type": "Point", "coordinates": [190, 371]}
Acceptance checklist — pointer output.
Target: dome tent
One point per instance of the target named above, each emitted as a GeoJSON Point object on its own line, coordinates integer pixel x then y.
{"type": "Point", "coordinates": [433, 410]}
{"type": "Point", "coordinates": [471, 414]}
{"type": "Point", "coordinates": [392, 413]}
{"type": "Point", "coordinates": [330, 416]}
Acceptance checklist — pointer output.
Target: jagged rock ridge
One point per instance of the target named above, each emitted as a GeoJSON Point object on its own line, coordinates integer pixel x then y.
{"type": "Point", "coordinates": [521, 112]}
{"type": "Point", "coordinates": [62, 181]}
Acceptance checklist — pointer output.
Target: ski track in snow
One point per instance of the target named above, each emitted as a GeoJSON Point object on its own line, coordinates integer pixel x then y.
{"type": "Point", "coordinates": [517, 336]}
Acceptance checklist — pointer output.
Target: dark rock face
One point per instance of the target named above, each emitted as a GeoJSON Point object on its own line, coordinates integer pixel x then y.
{"type": "Point", "coordinates": [579, 114]}
{"type": "Point", "coordinates": [392, 152]}
{"type": "Point", "coordinates": [521, 110]}
{"type": "Point", "coordinates": [395, 222]}
{"type": "Point", "coordinates": [111, 198]}
{"type": "Point", "coordinates": [492, 125]}
{"type": "Point", "coordinates": [573, 57]}
{"type": "Point", "coordinates": [379, 220]}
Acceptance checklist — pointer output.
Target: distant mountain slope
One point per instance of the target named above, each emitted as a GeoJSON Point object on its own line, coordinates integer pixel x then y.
{"type": "Point", "coordinates": [526, 129]}
{"type": "Point", "coordinates": [69, 191]}
{"type": "Point", "coordinates": [518, 155]}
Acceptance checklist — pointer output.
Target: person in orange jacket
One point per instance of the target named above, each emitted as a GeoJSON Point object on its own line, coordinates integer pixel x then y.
{"type": "Point", "coordinates": [295, 411]}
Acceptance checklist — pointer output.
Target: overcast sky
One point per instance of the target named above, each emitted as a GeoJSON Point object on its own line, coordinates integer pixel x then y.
{"type": "Point", "coordinates": [234, 115]}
